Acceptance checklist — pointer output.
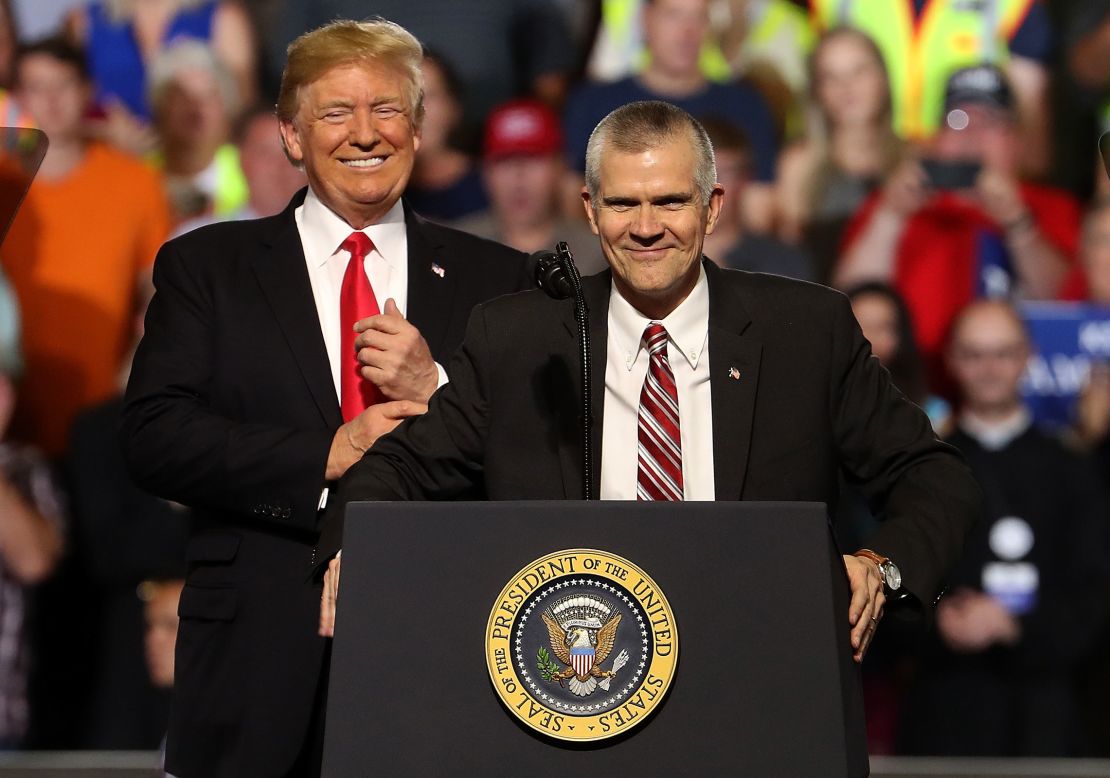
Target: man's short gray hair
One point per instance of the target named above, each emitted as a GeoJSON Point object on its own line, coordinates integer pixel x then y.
{"type": "Point", "coordinates": [637, 127]}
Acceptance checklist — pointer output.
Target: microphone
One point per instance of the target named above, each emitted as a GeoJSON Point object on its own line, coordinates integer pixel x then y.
{"type": "Point", "coordinates": [556, 274]}
{"type": "Point", "coordinates": [551, 276]}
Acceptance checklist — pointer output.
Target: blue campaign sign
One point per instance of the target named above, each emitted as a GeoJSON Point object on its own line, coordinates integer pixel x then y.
{"type": "Point", "coordinates": [1067, 339]}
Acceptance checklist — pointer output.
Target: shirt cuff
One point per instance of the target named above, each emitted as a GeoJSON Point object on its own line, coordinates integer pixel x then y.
{"type": "Point", "coordinates": [442, 376]}
{"type": "Point", "coordinates": [323, 499]}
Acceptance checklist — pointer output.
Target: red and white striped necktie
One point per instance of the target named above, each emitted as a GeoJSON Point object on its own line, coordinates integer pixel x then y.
{"type": "Point", "coordinates": [660, 441]}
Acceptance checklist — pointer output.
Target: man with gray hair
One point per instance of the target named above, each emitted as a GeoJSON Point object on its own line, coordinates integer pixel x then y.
{"type": "Point", "coordinates": [248, 397]}
{"type": "Point", "coordinates": [729, 385]}
{"type": "Point", "coordinates": [195, 102]}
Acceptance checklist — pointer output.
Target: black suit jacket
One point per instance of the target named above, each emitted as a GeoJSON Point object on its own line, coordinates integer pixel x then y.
{"type": "Point", "coordinates": [231, 409]}
{"type": "Point", "coordinates": [809, 401]}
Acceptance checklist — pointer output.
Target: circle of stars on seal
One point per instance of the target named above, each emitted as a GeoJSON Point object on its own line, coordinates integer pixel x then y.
{"type": "Point", "coordinates": [536, 684]}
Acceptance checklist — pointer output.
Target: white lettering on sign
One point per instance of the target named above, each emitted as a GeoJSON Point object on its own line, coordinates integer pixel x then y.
{"type": "Point", "coordinates": [1094, 337]}
{"type": "Point", "coordinates": [1064, 376]}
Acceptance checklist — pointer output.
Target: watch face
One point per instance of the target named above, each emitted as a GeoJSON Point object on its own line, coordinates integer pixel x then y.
{"type": "Point", "coordinates": [892, 575]}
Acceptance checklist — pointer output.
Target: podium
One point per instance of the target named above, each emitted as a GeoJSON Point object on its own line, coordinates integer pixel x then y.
{"type": "Point", "coordinates": [763, 683]}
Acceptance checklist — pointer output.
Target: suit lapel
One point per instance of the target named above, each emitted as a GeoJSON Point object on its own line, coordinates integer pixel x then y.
{"type": "Point", "coordinates": [283, 276]}
{"type": "Point", "coordinates": [734, 357]}
{"type": "Point", "coordinates": [433, 276]}
{"type": "Point", "coordinates": [596, 291]}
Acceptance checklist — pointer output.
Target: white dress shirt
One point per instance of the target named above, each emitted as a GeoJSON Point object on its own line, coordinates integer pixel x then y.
{"type": "Point", "coordinates": [627, 362]}
{"type": "Point", "coordinates": [322, 233]}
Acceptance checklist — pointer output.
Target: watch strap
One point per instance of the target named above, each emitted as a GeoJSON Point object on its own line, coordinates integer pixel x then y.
{"type": "Point", "coordinates": [867, 553]}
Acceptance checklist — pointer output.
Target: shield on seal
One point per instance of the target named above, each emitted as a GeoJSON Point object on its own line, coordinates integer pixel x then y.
{"type": "Point", "coordinates": [582, 659]}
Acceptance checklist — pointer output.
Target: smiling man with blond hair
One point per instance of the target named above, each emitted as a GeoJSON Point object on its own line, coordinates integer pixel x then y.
{"type": "Point", "coordinates": [276, 352]}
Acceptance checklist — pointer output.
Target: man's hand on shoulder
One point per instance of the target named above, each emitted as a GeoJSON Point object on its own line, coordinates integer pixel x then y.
{"type": "Point", "coordinates": [354, 438]}
{"type": "Point", "coordinates": [395, 356]}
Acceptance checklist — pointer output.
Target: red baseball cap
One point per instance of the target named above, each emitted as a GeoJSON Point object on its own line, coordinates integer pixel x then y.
{"type": "Point", "coordinates": [522, 127]}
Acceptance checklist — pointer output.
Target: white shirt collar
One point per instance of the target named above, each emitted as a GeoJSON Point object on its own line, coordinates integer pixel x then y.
{"type": "Point", "coordinates": [996, 435]}
{"type": "Point", "coordinates": [326, 230]}
{"type": "Point", "coordinates": [687, 325]}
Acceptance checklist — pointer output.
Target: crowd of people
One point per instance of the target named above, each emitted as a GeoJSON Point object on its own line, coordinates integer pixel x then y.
{"type": "Point", "coordinates": [937, 162]}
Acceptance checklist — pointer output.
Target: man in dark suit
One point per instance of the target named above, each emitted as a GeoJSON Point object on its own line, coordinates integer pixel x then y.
{"type": "Point", "coordinates": [246, 399]}
{"type": "Point", "coordinates": [728, 385]}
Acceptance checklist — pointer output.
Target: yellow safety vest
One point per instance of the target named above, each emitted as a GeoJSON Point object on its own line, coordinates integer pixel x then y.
{"type": "Point", "coordinates": [232, 191]}
{"type": "Point", "coordinates": [922, 53]}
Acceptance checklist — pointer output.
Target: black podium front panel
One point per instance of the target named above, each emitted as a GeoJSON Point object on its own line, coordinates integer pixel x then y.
{"type": "Point", "coordinates": [764, 686]}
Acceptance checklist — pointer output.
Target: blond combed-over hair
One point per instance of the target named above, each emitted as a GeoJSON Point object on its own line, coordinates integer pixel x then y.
{"type": "Point", "coordinates": [375, 41]}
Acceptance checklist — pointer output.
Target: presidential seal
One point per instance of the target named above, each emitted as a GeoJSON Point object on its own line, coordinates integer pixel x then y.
{"type": "Point", "coordinates": [581, 645]}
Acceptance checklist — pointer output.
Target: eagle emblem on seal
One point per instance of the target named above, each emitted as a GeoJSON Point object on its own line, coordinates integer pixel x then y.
{"type": "Point", "coordinates": [582, 631]}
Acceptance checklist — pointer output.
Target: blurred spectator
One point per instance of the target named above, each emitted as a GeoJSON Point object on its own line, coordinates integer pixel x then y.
{"type": "Point", "coordinates": [731, 244]}
{"type": "Point", "coordinates": [923, 42]}
{"type": "Point", "coordinates": [674, 31]}
{"type": "Point", "coordinates": [194, 102]}
{"type": "Point", "coordinates": [37, 19]}
{"type": "Point", "coordinates": [445, 183]}
{"type": "Point", "coordinates": [8, 42]}
{"type": "Point", "coordinates": [79, 252]}
{"type": "Point", "coordinates": [885, 321]}
{"type": "Point", "coordinates": [767, 42]}
{"type": "Point", "coordinates": [30, 542]}
{"type": "Point", "coordinates": [1030, 594]}
{"type": "Point", "coordinates": [161, 599]}
{"type": "Point", "coordinates": [500, 49]}
{"type": "Point", "coordinates": [522, 166]}
{"type": "Point", "coordinates": [124, 536]}
{"type": "Point", "coordinates": [850, 149]}
{"type": "Point", "coordinates": [10, 114]}
{"type": "Point", "coordinates": [1081, 96]}
{"type": "Point", "coordinates": [1094, 251]}
{"type": "Point", "coordinates": [1091, 434]}
{"type": "Point", "coordinates": [122, 38]}
{"type": "Point", "coordinates": [11, 360]}
{"type": "Point", "coordinates": [764, 41]}
{"type": "Point", "coordinates": [961, 224]}
{"type": "Point", "coordinates": [1092, 419]}
{"type": "Point", "coordinates": [271, 178]}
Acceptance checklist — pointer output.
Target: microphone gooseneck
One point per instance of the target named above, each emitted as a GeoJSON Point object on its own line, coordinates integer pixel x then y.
{"type": "Point", "coordinates": [555, 273]}
{"type": "Point", "coordinates": [582, 314]}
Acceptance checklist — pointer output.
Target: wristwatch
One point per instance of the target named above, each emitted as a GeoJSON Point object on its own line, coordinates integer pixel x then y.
{"type": "Point", "coordinates": [892, 576]}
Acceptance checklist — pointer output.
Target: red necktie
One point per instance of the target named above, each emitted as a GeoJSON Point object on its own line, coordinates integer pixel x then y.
{"type": "Point", "coordinates": [356, 302]}
{"type": "Point", "coordinates": [659, 476]}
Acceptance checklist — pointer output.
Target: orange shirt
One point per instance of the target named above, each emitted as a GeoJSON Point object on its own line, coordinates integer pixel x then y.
{"type": "Point", "coordinates": [73, 256]}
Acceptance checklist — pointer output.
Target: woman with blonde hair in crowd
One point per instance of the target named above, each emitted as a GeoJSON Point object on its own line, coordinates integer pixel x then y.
{"type": "Point", "coordinates": [849, 150]}
{"type": "Point", "coordinates": [121, 39]}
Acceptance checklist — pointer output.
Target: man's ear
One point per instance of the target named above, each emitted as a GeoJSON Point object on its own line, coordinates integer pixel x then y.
{"type": "Point", "coordinates": [590, 215]}
{"type": "Point", "coordinates": [716, 200]}
{"type": "Point", "coordinates": [291, 141]}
